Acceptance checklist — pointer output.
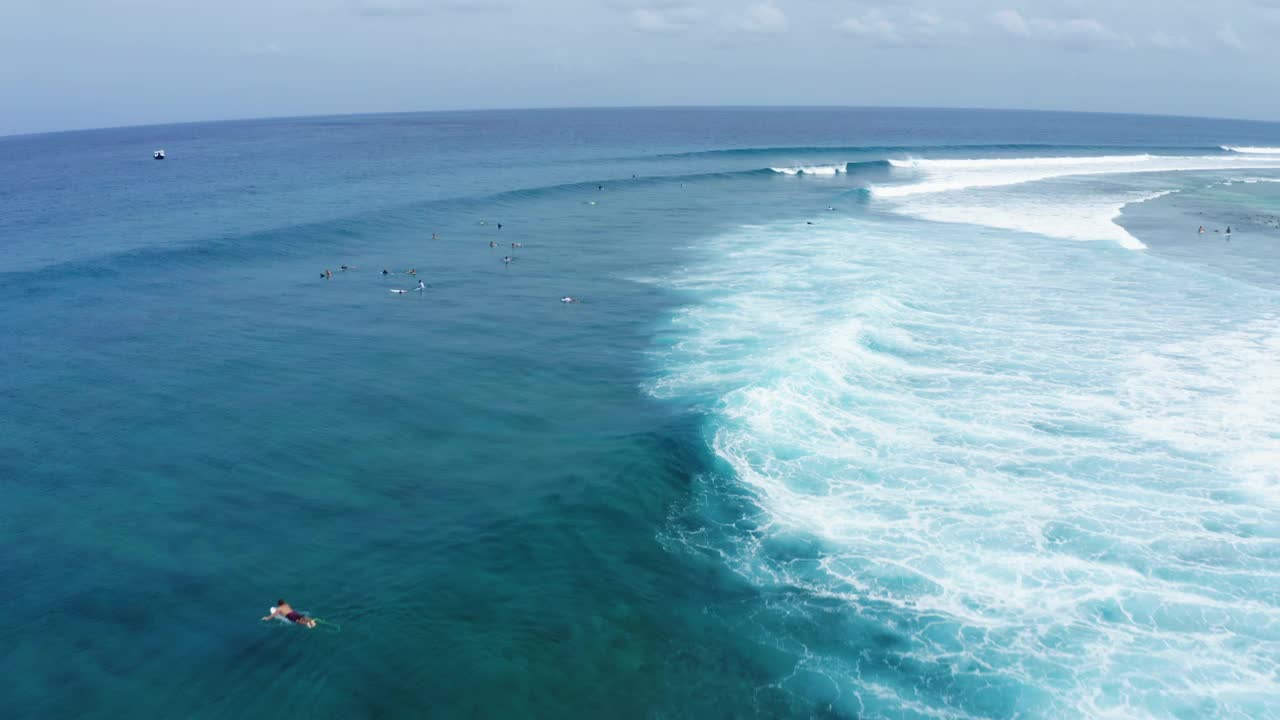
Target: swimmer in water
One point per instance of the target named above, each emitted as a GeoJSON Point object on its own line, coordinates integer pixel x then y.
{"type": "Point", "coordinates": [412, 271]}
{"type": "Point", "coordinates": [1201, 229]}
{"type": "Point", "coordinates": [435, 236]}
{"type": "Point", "coordinates": [514, 245]}
{"type": "Point", "coordinates": [328, 275]}
{"type": "Point", "coordinates": [384, 271]}
{"type": "Point", "coordinates": [493, 244]}
{"type": "Point", "coordinates": [346, 267]}
{"type": "Point", "coordinates": [285, 610]}
{"type": "Point", "coordinates": [506, 259]}
{"type": "Point", "coordinates": [566, 299]}
{"type": "Point", "coordinates": [499, 226]}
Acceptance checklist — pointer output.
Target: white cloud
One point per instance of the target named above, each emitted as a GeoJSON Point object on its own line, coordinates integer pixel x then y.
{"type": "Point", "coordinates": [660, 16]}
{"type": "Point", "coordinates": [763, 18]}
{"type": "Point", "coordinates": [1011, 21]}
{"type": "Point", "coordinates": [1165, 41]}
{"type": "Point", "coordinates": [649, 21]}
{"type": "Point", "coordinates": [1088, 28]}
{"type": "Point", "coordinates": [930, 24]}
{"type": "Point", "coordinates": [1074, 33]}
{"type": "Point", "coordinates": [916, 27]}
{"type": "Point", "coordinates": [873, 24]}
{"type": "Point", "coordinates": [1227, 36]}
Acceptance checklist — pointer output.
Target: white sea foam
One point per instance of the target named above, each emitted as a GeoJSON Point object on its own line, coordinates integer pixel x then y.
{"type": "Point", "coordinates": [1008, 193]}
{"type": "Point", "coordinates": [1055, 487]}
{"type": "Point", "coordinates": [1218, 395]}
{"type": "Point", "coordinates": [810, 170]}
{"type": "Point", "coordinates": [961, 174]}
{"type": "Point", "coordinates": [1082, 216]}
{"type": "Point", "coordinates": [1253, 150]}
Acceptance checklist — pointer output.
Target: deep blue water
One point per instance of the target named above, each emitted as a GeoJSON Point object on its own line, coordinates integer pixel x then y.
{"type": "Point", "coordinates": [864, 413]}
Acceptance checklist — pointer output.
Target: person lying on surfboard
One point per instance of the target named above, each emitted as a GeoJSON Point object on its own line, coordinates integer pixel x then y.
{"type": "Point", "coordinates": [285, 610]}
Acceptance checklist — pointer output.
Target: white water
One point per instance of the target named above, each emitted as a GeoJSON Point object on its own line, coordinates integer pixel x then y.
{"type": "Point", "coordinates": [1016, 194]}
{"type": "Point", "coordinates": [810, 170]}
{"type": "Point", "coordinates": [1047, 471]}
{"type": "Point", "coordinates": [950, 175]}
{"type": "Point", "coordinates": [1069, 216]}
{"type": "Point", "coordinates": [1253, 150]}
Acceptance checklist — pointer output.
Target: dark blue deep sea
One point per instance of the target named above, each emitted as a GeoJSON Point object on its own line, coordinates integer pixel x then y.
{"type": "Point", "coordinates": [864, 413]}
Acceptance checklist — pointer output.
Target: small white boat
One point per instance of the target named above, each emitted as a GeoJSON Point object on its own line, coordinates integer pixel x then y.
{"type": "Point", "coordinates": [158, 154]}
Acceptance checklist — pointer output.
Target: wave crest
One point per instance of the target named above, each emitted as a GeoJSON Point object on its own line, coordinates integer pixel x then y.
{"type": "Point", "coordinates": [1252, 150]}
{"type": "Point", "coordinates": [810, 170]}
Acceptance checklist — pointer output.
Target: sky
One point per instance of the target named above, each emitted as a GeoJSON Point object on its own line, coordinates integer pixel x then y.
{"type": "Point", "coordinates": [91, 63]}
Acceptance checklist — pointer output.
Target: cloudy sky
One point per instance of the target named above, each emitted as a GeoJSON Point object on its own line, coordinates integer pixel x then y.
{"type": "Point", "coordinates": [92, 63]}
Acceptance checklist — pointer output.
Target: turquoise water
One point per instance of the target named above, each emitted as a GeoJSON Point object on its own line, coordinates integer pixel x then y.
{"type": "Point", "coordinates": [994, 436]}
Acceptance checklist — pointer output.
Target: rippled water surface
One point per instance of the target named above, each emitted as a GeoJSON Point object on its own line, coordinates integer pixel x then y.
{"type": "Point", "coordinates": [863, 413]}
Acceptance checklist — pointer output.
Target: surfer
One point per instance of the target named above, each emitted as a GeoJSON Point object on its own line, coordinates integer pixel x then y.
{"type": "Point", "coordinates": [1201, 229]}
{"type": "Point", "coordinates": [327, 274]}
{"type": "Point", "coordinates": [1228, 229]}
{"type": "Point", "coordinates": [567, 299]}
{"type": "Point", "coordinates": [506, 259]}
{"type": "Point", "coordinates": [412, 271]}
{"type": "Point", "coordinates": [422, 285]}
{"type": "Point", "coordinates": [516, 245]}
{"type": "Point", "coordinates": [285, 610]}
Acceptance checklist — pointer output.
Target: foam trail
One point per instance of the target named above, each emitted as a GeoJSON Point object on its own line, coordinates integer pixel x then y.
{"type": "Point", "coordinates": [1058, 492]}
{"type": "Point", "coordinates": [1071, 216]}
{"type": "Point", "coordinates": [963, 174]}
{"type": "Point", "coordinates": [1009, 193]}
{"type": "Point", "coordinates": [1253, 150]}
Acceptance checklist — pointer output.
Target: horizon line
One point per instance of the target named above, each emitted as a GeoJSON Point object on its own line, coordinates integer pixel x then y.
{"type": "Point", "coordinates": [265, 118]}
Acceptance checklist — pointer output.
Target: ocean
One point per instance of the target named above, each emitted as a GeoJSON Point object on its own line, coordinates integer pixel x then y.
{"type": "Point", "coordinates": [861, 413]}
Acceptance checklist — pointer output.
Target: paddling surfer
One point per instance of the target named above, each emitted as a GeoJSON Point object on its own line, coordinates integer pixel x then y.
{"type": "Point", "coordinates": [285, 610]}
